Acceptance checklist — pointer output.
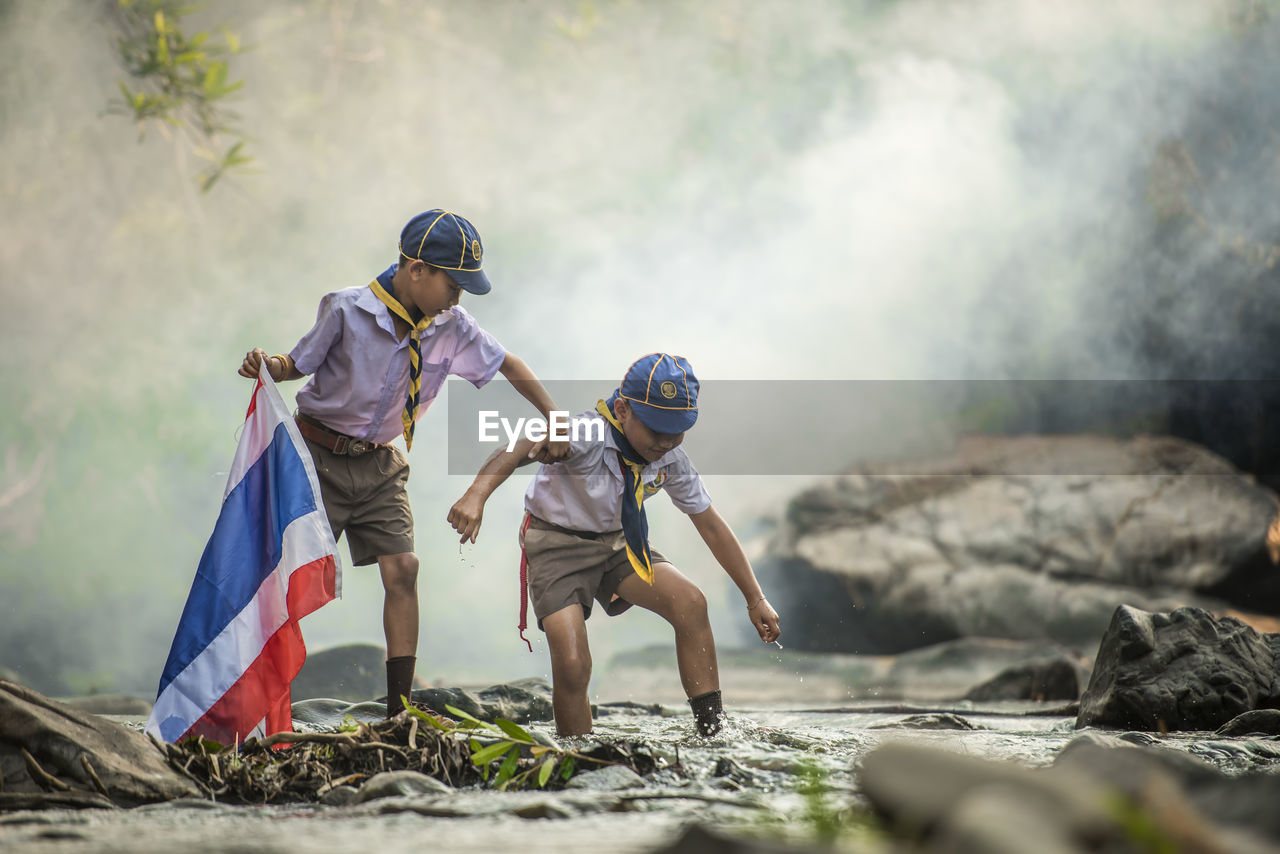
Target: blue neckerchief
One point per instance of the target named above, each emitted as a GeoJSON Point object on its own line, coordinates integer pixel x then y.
{"type": "Point", "coordinates": [635, 525]}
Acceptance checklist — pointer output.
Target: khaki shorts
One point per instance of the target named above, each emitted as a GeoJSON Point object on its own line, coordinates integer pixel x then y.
{"type": "Point", "coordinates": [366, 497]}
{"type": "Point", "coordinates": [567, 567]}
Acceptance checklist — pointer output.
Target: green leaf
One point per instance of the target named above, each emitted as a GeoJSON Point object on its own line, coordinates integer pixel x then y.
{"type": "Point", "coordinates": [469, 719]}
{"type": "Point", "coordinates": [491, 752]}
{"type": "Point", "coordinates": [508, 766]}
{"type": "Point", "coordinates": [513, 729]}
{"type": "Point", "coordinates": [544, 773]}
{"type": "Point", "coordinates": [566, 770]}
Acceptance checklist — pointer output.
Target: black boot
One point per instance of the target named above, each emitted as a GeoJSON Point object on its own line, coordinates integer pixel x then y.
{"type": "Point", "coordinates": [399, 682]}
{"type": "Point", "coordinates": [708, 712]}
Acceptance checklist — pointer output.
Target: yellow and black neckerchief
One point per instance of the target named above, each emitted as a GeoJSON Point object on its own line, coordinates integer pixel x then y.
{"type": "Point", "coordinates": [410, 415]}
{"type": "Point", "coordinates": [635, 526]}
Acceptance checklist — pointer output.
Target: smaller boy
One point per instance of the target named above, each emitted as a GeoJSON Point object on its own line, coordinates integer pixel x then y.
{"type": "Point", "coordinates": [585, 536]}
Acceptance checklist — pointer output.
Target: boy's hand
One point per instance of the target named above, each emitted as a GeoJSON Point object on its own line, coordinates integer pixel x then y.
{"type": "Point", "coordinates": [252, 363]}
{"type": "Point", "coordinates": [547, 451]}
{"type": "Point", "coordinates": [765, 619]}
{"type": "Point", "coordinates": [465, 516]}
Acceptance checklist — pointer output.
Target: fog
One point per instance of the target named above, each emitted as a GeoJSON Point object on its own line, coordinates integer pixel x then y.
{"type": "Point", "coordinates": [799, 191]}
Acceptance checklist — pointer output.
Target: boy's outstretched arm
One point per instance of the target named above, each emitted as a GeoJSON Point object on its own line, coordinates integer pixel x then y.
{"type": "Point", "coordinates": [719, 537]}
{"type": "Point", "coordinates": [531, 389]}
{"type": "Point", "coordinates": [280, 367]}
{"type": "Point", "coordinates": [468, 511]}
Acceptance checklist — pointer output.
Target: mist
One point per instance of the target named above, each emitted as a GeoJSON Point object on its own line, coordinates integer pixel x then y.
{"type": "Point", "coordinates": [817, 191]}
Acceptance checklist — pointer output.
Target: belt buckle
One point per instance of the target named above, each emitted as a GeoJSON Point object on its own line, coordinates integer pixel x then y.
{"type": "Point", "coordinates": [356, 447]}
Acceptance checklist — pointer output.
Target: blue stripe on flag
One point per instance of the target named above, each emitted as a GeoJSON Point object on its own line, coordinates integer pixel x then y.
{"type": "Point", "coordinates": [244, 549]}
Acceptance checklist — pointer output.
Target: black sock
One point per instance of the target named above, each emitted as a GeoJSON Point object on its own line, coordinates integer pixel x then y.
{"type": "Point", "coordinates": [399, 682]}
{"type": "Point", "coordinates": [708, 712]}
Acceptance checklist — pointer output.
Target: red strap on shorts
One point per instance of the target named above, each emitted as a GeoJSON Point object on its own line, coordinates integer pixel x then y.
{"type": "Point", "coordinates": [524, 582]}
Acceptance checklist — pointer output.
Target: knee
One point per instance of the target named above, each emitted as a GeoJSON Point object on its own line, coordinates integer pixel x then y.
{"type": "Point", "coordinates": [400, 574]}
{"type": "Point", "coordinates": [572, 672]}
{"type": "Point", "coordinates": [690, 609]}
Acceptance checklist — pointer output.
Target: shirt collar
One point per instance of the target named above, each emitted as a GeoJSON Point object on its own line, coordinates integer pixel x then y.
{"type": "Point", "coordinates": [369, 301]}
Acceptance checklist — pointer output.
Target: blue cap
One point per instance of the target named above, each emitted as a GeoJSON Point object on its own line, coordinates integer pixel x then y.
{"type": "Point", "coordinates": [662, 392]}
{"type": "Point", "coordinates": [446, 240]}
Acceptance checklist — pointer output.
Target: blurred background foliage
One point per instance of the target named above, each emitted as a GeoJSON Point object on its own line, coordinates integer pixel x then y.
{"type": "Point", "coordinates": [833, 190]}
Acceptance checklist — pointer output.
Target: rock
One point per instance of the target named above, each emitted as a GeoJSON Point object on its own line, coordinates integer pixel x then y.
{"type": "Point", "coordinates": [930, 720]}
{"type": "Point", "coordinates": [1047, 679]}
{"type": "Point", "coordinates": [74, 748]}
{"type": "Point", "coordinates": [109, 704]}
{"type": "Point", "coordinates": [1258, 722]}
{"type": "Point", "coordinates": [519, 702]}
{"type": "Point", "coordinates": [611, 778]}
{"type": "Point", "coordinates": [340, 796]}
{"type": "Point", "coordinates": [391, 784]}
{"type": "Point", "coordinates": [1244, 802]}
{"type": "Point", "coordinates": [542, 809]}
{"type": "Point", "coordinates": [916, 788]}
{"type": "Point", "coordinates": [700, 840]}
{"type": "Point", "coordinates": [983, 544]}
{"type": "Point", "coordinates": [962, 803]}
{"type": "Point", "coordinates": [1184, 670]}
{"type": "Point", "coordinates": [350, 672]}
{"type": "Point", "coordinates": [327, 712]}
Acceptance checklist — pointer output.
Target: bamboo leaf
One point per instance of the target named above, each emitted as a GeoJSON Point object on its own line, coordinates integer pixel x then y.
{"type": "Point", "coordinates": [544, 773]}
{"type": "Point", "coordinates": [566, 770]}
{"type": "Point", "coordinates": [469, 719]}
{"type": "Point", "coordinates": [491, 752]}
{"type": "Point", "coordinates": [508, 766]}
{"type": "Point", "coordinates": [513, 729]}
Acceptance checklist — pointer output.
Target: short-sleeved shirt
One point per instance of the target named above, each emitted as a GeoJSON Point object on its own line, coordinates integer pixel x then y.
{"type": "Point", "coordinates": [360, 369]}
{"type": "Point", "coordinates": [584, 492]}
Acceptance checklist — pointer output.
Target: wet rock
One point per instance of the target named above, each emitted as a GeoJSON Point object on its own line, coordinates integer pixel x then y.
{"type": "Point", "coordinates": [1183, 670]}
{"type": "Point", "coordinates": [109, 704]}
{"type": "Point", "coordinates": [982, 544]}
{"type": "Point", "coordinates": [340, 796]}
{"type": "Point", "coordinates": [520, 702]}
{"type": "Point", "coordinates": [700, 840]}
{"type": "Point", "coordinates": [327, 712]}
{"type": "Point", "coordinates": [351, 672]}
{"type": "Point", "coordinates": [955, 802]}
{"type": "Point", "coordinates": [391, 784]}
{"type": "Point", "coordinates": [542, 809]}
{"type": "Point", "coordinates": [1259, 722]}
{"type": "Point", "coordinates": [609, 779]}
{"type": "Point", "coordinates": [1244, 801]}
{"type": "Point", "coordinates": [47, 747]}
{"type": "Point", "coordinates": [931, 720]}
{"type": "Point", "coordinates": [1051, 679]}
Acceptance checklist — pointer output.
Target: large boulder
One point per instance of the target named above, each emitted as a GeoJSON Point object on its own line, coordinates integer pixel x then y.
{"type": "Point", "coordinates": [1026, 537]}
{"type": "Point", "coordinates": [52, 752]}
{"type": "Point", "coordinates": [355, 671]}
{"type": "Point", "coordinates": [1184, 670]}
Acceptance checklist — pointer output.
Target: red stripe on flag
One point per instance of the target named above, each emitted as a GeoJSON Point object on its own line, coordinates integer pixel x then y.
{"type": "Point", "coordinates": [263, 689]}
{"type": "Point", "coordinates": [253, 399]}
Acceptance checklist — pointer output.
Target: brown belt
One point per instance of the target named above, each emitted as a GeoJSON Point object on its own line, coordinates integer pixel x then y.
{"type": "Point", "coordinates": [339, 443]}
{"type": "Point", "coordinates": [536, 522]}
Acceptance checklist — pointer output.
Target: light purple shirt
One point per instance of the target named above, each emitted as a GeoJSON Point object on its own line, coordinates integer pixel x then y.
{"type": "Point", "coordinates": [360, 370]}
{"type": "Point", "coordinates": [585, 491]}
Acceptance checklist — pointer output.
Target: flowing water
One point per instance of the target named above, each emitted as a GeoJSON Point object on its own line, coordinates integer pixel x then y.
{"type": "Point", "coordinates": [750, 779]}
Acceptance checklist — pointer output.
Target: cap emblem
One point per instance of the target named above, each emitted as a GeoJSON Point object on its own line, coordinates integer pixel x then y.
{"type": "Point", "coordinates": [475, 249]}
{"type": "Point", "coordinates": [668, 389]}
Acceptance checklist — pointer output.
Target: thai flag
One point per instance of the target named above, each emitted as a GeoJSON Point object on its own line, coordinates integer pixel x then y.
{"type": "Point", "coordinates": [270, 562]}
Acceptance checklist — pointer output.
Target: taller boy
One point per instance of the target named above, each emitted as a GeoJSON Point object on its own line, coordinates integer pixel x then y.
{"type": "Point", "coordinates": [378, 355]}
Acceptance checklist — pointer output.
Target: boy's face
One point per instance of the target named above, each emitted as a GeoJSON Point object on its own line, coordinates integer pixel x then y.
{"type": "Point", "coordinates": [647, 443]}
{"type": "Point", "coordinates": [432, 290]}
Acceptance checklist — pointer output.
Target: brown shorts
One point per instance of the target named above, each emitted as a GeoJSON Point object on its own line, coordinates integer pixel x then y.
{"type": "Point", "coordinates": [365, 496]}
{"type": "Point", "coordinates": [567, 567]}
